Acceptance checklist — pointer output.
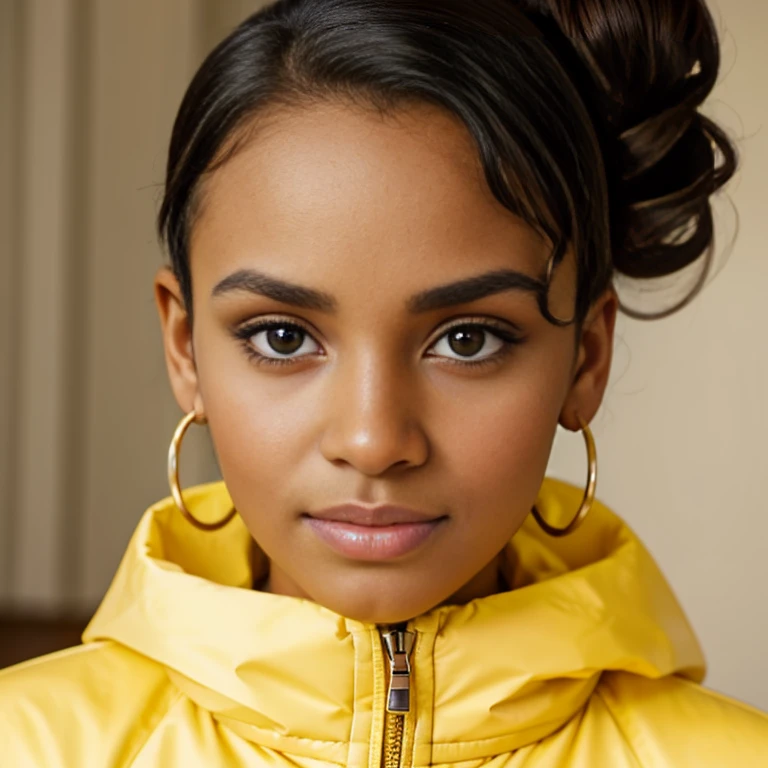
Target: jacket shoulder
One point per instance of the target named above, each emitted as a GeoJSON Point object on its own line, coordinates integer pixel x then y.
{"type": "Point", "coordinates": [672, 721]}
{"type": "Point", "coordinates": [90, 705]}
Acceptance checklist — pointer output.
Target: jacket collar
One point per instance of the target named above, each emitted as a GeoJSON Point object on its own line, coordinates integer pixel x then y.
{"type": "Point", "coordinates": [493, 675]}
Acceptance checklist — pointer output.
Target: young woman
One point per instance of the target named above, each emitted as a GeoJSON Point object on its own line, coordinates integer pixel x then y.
{"type": "Point", "coordinates": [393, 228]}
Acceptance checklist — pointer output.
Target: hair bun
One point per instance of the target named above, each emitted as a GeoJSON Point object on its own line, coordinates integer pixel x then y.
{"type": "Point", "coordinates": [652, 63]}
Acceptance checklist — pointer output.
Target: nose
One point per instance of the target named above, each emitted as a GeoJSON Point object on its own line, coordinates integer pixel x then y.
{"type": "Point", "coordinates": [372, 421]}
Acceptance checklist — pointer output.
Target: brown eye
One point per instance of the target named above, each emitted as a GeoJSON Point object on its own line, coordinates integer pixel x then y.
{"type": "Point", "coordinates": [466, 341]}
{"type": "Point", "coordinates": [469, 340]}
{"type": "Point", "coordinates": [284, 340]}
{"type": "Point", "coordinates": [275, 341]}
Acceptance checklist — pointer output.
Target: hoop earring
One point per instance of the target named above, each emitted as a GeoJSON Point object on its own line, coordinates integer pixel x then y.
{"type": "Point", "coordinates": [173, 477]}
{"type": "Point", "coordinates": [589, 493]}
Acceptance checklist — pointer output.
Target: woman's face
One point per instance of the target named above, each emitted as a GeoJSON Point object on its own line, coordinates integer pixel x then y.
{"type": "Point", "coordinates": [370, 399]}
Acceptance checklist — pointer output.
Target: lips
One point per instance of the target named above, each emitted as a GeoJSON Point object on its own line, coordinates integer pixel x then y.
{"type": "Point", "coordinates": [378, 516]}
{"type": "Point", "coordinates": [374, 542]}
{"type": "Point", "coordinates": [382, 532]}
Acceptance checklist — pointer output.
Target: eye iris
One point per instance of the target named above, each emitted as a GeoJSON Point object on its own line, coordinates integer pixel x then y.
{"type": "Point", "coordinates": [284, 340]}
{"type": "Point", "coordinates": [467, 342]}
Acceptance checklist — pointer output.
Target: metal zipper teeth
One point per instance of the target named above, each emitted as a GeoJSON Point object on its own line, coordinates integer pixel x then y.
{"type": "Point", "coordinates": [393, 740]}
{"type": "Point", "coordinates": [399, 644]}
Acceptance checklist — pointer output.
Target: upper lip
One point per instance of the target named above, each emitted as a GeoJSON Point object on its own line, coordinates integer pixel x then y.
{"type": "Point", "coordinates": [385, 514]}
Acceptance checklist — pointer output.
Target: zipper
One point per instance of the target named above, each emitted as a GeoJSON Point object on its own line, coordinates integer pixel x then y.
{"type": "Point", "coordinates": [399, 644]}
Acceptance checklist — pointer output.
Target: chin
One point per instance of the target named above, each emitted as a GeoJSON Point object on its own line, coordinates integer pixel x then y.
{"type": "Point", "coordinates": [375, 601]}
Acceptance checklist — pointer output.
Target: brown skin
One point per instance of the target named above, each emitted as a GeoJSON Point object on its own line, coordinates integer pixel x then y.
{"type": "Point", "coordinates": [377, 405]}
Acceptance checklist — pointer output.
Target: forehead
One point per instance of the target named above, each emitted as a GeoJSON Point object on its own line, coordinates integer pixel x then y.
{"type": "Point", "coordinates": [335, 187]}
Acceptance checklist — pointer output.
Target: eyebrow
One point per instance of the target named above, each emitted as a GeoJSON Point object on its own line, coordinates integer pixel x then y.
{"type": "Point", "coordinates": [451, 294]}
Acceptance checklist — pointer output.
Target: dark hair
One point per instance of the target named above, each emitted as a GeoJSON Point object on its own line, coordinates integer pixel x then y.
{"type": "Point", "coordinates": [584, 114]}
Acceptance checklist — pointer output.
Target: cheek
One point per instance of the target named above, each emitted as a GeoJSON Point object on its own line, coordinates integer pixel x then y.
{"type": "Point", "coordinates": [498, 451]}
{"type": "Point", "coordinates": [258, 426]}
{"type": "Point", "coordinates": [258, 444]}
{"type": "Point", "coordinates": [259, 441]}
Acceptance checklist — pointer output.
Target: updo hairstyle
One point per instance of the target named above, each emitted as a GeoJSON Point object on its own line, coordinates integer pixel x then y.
{"type": "Point", "coordinates": [584, 114]}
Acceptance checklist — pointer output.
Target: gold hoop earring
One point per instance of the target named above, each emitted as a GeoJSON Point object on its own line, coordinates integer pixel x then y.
{"type": "Point", "coordinates": [589, 493]}
{"type": "Point", "coordinates": [173, 477]}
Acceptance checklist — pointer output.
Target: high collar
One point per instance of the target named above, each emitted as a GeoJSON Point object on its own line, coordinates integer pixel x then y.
{"type": "Point", "coordinates": [501, 671]}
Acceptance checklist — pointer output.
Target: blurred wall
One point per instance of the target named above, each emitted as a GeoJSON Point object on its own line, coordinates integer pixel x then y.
{"type": "Point", "coordinates": [88, 91]}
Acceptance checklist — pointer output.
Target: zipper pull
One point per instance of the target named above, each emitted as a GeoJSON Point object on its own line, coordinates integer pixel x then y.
{"type": "Point", "coordinates": [399, 644]}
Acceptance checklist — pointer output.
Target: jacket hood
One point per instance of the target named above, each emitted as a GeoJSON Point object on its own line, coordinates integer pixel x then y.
{"type": "Point", "coordinates": [491, 676]}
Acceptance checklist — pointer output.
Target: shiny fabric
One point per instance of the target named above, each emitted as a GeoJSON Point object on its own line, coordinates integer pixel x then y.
{"type": "Point", "coordinates": [587, 661]}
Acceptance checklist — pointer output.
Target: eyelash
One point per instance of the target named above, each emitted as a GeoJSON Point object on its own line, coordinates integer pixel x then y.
{"type": "Point", "coordinates": [509, 340]}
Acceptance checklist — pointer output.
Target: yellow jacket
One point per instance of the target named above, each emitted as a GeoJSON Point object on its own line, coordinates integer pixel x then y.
{"type": "Point", "coordinates": [587, 662]}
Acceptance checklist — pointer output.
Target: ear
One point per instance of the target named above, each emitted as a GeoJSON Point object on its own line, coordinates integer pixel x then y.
{"type": "Point", "coordinates": [177, 341]}
{"type": "Point", "coordinates": [592, 365]}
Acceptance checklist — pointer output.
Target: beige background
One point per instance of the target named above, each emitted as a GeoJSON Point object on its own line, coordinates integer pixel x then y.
{"type": "Point", "coordinates": [88, 91]}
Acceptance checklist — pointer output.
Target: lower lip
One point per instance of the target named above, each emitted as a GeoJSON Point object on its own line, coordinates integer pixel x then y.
{"type": "Point", "coordinates": [364, 542]}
